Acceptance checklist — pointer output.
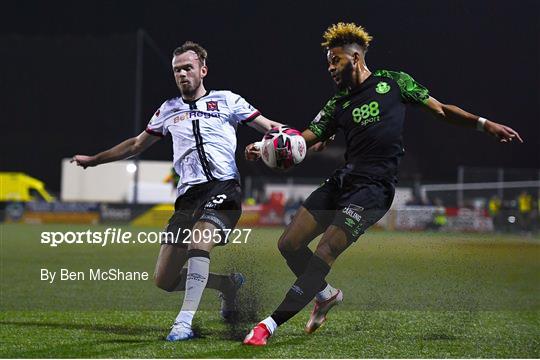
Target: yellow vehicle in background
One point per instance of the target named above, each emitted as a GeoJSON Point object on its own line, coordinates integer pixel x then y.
{"type": "Point", "coordinates": [19, 187]}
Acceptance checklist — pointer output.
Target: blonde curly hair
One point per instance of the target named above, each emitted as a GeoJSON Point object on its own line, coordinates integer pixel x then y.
{"type": "Point", "coordinates": [346, 33]}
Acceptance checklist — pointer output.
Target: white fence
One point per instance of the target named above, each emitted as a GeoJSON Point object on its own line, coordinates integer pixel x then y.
{"type": "Point", "coordinates": [114, 182]}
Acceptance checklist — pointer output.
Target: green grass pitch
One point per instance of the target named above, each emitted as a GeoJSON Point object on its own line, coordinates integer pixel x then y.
{"type": "Point", "coordinates": [411, 295]}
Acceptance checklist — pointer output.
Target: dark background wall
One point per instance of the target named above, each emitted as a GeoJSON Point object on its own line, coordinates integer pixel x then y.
{"type": "Point", "coordinates": [67, 78]}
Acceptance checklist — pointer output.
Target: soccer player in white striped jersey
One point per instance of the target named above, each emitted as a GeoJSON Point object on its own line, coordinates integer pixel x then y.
{"type": "Point", "coordinates": [203, 127]}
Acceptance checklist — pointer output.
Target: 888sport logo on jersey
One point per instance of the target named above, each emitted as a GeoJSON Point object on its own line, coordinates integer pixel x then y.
{"type": "Point", "coordinates": [366, 114]}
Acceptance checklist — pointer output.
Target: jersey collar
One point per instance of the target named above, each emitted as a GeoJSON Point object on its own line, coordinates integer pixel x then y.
{"type": "Point", "coordinates": [362, 85]}
{"type": "Point", "coordinates": [191, 102]}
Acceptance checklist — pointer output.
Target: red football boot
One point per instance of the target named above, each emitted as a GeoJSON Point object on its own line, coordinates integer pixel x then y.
{"type": "Point", "coordinates": [257, 336]}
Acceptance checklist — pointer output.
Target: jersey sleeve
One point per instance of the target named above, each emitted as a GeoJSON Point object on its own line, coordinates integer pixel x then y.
{"type": "Point", "coordinates": [242, 111]}
{"type": "Point", "coordinates": [411, 91]}
{"type": "Point", "coordinates": [155, 125]}
{"type": "Point", "coordinates": [324, 125]}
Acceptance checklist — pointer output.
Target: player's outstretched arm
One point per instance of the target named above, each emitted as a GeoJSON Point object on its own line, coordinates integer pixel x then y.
{"type": "Point", "coordinates": [124, 150]}
{"type": "Point", "coordinates": [262, 124]}
{"type": "Point", "coordinates": [454, 115]}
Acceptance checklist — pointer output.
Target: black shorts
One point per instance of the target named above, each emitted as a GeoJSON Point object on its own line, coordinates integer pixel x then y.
{"type": "Point", "coordinates": [353, 204]}
{"type": "Point", "coordinates": [215, 202]}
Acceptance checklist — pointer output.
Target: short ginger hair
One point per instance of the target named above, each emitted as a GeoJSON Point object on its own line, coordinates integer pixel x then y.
{"type": "Point", "coordinates": [196, 48]}
{"type": "Point", "coordinates": [341, 34]}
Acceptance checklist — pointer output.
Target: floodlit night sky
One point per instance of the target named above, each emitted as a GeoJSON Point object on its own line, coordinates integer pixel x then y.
{"type": "Point", "coordinates": [67, 84]}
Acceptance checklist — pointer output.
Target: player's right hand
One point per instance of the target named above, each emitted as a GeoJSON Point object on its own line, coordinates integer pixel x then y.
{"type": "Point", "coordinates": [253, 151]}
{"type": "Point", "coordinates": [84, 160]}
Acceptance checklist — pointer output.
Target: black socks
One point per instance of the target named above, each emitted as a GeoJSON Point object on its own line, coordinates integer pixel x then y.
{"type": "Point", "coordinates": [298, 261]}
{"type": "Point", "coordinates": [303, 290]}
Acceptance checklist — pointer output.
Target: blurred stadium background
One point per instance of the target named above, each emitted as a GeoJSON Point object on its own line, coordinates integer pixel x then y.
{"type": "Point", "coordinates": [142, 193]}
{"type": "Point", "coordinates": [80, 77]}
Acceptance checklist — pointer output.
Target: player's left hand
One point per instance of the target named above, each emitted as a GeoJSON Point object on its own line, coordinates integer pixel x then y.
{"type": "Point", "coordinates": [502, 132]}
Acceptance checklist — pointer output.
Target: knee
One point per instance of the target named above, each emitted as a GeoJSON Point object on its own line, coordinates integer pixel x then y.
{"type": "Point", "coordinates": [327, 253]}
{"type": "Point", "coordinates": [333, 243]}
{"type": "Point", "coordinates": [330, 250]}
{"type": "Point", "coordinates": [287, 245]}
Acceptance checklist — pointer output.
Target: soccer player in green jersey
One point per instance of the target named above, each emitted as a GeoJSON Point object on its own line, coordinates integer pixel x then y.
{"type": "Point", "coordinates": [369, 107]}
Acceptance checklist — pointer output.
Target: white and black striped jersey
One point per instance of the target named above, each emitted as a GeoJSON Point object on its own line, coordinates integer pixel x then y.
{"type": "Point", "coordinates": [204, 135]}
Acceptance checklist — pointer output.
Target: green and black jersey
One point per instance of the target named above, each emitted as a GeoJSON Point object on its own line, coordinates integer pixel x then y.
{"type": "Point", "coordinates": [371, 117]}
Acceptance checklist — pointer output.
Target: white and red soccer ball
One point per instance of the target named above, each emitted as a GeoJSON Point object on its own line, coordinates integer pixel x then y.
{"type": "Point", "coordinates": [282, 148]}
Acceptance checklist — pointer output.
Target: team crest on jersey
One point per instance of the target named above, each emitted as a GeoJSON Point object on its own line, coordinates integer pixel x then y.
{"type": "Point", "coordinates": [212, 106]}
{"type": "Point", "coordinates": [382, 87]}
